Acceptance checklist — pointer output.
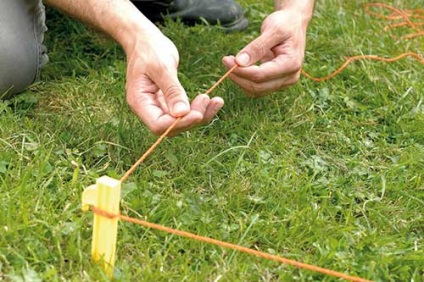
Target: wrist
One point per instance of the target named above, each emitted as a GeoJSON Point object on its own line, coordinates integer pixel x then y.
{"type": "Point", "coordinates": [303, 8]}
{"type": "Point", "coordinates": [135, 29]}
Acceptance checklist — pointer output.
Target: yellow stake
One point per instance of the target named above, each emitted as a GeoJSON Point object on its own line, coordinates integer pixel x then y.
{"type": "Point", "coordinates": [105, 195]}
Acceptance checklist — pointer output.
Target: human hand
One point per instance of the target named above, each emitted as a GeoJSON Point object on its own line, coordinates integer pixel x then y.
{"type": "Point", "coordinates": [154, 92]}
{"type": "Point", "coordinates": [280, 48]}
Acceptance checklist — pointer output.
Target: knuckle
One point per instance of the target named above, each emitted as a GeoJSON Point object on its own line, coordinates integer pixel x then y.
{"type": "Point", "coordinates": [298, 62]}
{"type": "Point", "coordinates": [172, 92]}
{"type": "Point", "coordinates": [258, 77]}
{"type": "Point", "coordinates": [297, 76]}
{"type": "Point", "coordinates": [157, 70]}
{"type": "Point", "coordinates": [294, 79]}
{"type": "Point", "coordinates": [259, 47]}
{"type": "Point", "coordinates": [156, 130]}
{"type": "Point", "coordinates": [295, 63]}
{"type": "Point", "coordinates": [197, 117]}
{"type": "Point", "coordinates": [262, 89]}
{"type": "Point", "coordinates": [254, 89]}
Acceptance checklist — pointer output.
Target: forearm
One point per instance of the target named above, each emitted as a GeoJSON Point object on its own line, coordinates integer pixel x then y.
{"type": "Point", "coordinates": [117, 18]}
{"type": "Point", "coordinates": [304, 7]}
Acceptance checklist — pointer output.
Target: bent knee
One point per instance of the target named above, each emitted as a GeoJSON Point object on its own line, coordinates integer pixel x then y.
{"type": "Point", "coordinates": [21, 51]}
{"type": "Point", "coordinates": [18, 68]}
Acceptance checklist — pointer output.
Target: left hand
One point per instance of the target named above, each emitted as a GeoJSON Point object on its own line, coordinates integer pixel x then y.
{"type": "Point", "coordinates": [280, 48]}
{"type": "Point", "coordinates": [154, 92]}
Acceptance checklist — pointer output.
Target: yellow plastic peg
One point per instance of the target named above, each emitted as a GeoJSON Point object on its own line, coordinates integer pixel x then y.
{"type": "Point", "coordinates": [104, 195]}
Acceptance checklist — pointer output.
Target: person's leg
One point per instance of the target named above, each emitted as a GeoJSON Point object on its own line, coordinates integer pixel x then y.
{"type": "Point", "coordinates": [227, 13]}
{"type": "Point", "coordinates": [21, 51]}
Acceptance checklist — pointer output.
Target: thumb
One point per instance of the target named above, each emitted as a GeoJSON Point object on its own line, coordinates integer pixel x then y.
{"type": "Point", "coordinates": [256, 50]}
{"type": "Point", "coordinates": [175, 96]}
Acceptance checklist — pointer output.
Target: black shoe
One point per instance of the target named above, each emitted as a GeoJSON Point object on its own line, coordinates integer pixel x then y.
{"type": "Point", "coordinates": [226, 13]}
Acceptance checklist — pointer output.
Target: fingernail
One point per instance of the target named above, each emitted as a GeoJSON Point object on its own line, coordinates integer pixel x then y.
{"type": "Point", "coordinates": [243, 59]}
{"type": "Point", "coordinates": [179, 109]}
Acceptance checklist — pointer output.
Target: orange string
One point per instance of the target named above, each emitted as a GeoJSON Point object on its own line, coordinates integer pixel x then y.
{"type": "Point", "coordinates": [362, 57]}
{"type": "Point", "coordinates": [160, 139]}
{"type": "Point", "coordinates": [229, 246]}
{"type": "Point", "coordinates": [395, 14]}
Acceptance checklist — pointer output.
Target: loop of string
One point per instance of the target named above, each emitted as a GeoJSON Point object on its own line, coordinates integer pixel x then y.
{"type": "Point", "coordinates": [406, 17]}
{"type": "Point", "coordinates": [229, 246]}
{"type": "Point", "coordinates": [363, 57]}
{"type": "Point", "coordinates": [396, 14]}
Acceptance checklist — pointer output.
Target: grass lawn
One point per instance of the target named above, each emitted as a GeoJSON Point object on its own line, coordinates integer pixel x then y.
{"type": "Point", "coordinates": [326, 173]}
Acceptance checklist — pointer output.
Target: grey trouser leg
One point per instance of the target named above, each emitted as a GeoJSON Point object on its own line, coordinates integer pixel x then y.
{"type": "Point", "coordinates": [21, 51]}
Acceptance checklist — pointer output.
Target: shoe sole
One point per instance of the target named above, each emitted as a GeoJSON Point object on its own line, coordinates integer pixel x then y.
{"type": "Point", "coordinates": [237, 25]}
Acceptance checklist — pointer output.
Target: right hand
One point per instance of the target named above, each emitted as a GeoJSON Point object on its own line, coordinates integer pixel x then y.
{"type": "Point", "coordinates": [154, 92]}
{"type": "Point", "coordinates": [280, 49]}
